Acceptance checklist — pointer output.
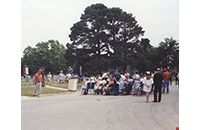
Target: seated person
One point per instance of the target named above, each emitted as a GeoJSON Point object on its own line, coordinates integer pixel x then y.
{"type": "Point", "coordinates": [85, 85]}
{"type": "Point", "coordinates": [99, 82]}
{"type": "Point", "coordinates": [111, 82]}
{"type": "Point", "coordinates": [61, 77]}
{"type": "Point", "coordinates": [126, 81]}
{"type": "Point", "coordinates": [93, 79]}
{"type": "Point", "coordinates": [104, 75]}
{"type": "Point", "coordinates": [104, 82]}
{"type": "Point", "coordinates": [49, 77]}
{"type": "Point", "coordinates": [130, 80]}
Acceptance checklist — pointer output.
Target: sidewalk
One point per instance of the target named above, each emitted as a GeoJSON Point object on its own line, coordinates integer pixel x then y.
{"type": "Point", "coordinates": [56, 88]}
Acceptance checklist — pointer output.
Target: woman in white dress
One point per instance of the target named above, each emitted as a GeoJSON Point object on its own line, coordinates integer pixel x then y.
{"type": "Point", "coordinates": [147, 82]}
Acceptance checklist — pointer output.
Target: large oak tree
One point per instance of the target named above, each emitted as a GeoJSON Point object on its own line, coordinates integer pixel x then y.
{"type": "Point", "coordinates": [105, 37]}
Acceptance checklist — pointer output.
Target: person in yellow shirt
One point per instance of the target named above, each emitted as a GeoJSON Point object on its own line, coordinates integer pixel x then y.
{"type": "Point", "coordinates": [111, 82]}
{"type": "Point", "coordinates": [49, 77]}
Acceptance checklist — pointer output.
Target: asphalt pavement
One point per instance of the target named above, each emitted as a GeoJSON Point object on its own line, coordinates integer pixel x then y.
{"type": "Point", "coordinates": [96, 112]}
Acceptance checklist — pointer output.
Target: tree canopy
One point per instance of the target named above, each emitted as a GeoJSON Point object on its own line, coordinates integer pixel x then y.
{"type": "Point", "coordinates": [49, 55]}
{"type": "Point", "coordinates": [105, 38]}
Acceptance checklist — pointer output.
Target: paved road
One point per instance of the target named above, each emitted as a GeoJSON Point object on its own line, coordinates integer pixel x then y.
{"type": "Point", "coordinates": [85, 112]}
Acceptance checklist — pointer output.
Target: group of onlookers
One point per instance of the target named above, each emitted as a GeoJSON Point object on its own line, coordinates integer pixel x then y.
{"type": "Point", "coordinates": [119, 80]}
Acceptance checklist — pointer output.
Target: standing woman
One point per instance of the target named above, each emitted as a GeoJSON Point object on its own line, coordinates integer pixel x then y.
{"type": "Point", "coordinates": [147, 82]}
{"type": "Point", "coordinates": [121, 85]}
{"type": "Point", "coordinates": [136, 79]}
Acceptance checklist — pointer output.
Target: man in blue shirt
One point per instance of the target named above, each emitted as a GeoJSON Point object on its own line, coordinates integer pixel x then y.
{"type": "Point", "coordinates": [117, 77]}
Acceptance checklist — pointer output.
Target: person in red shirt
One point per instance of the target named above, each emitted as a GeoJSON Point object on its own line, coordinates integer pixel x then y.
{"type": "Point", "coordinates": [38, 79]}
{"type": "Point", "coordinates": [166, 76]}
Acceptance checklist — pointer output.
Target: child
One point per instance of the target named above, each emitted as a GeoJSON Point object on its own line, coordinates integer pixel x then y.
{"type": "Point", "coordinates": [147, 82]}
{"type": "Point", "coordinates": [85, 85]}
{"type": "Point", "coordinates": [67, 77]}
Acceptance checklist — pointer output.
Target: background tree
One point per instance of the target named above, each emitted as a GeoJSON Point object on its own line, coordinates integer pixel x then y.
{"type": "Point", "coordinates": [143, 60]}
{"type": "Point", "coordinates": [49, 55]}
{"type": "Point", "coordinates": [168, 53]}
{"type": "Point", "coordinates": [105, 38]}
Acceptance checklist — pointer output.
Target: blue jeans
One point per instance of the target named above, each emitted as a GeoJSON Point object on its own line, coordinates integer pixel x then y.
{"type": "Point", "coordinates": [116, 88]}
{"type": "Point", "coordinates": [166, 82]}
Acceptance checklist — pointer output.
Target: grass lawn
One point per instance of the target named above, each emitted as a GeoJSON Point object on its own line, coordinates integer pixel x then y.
{"type": "Point", "coordinates": [30, 88]}
{"type": "Point", "coordinates": [29, 91]}
{"type": "Point", "coordinates": [62, 85]}
{"type": "Point", "coordinates": [56, 84]}
{"type": "Point", "coordinates": [27, 83]}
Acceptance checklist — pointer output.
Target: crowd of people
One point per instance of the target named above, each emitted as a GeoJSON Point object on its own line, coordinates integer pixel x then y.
{"type": "Point", "coordinates": [151, 82]}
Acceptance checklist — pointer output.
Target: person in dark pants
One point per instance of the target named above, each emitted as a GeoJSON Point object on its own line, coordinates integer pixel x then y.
{"type": "Point", "coordinates": [158, 82]}
{"type": "Point", "coordinates": [170, 79]}
{"type": "Point", "coordinates": [42, 72]}
{"type": "Point", "coordinates": [176, 77]}
{"type": "Point", "coordinates": [117, 77]}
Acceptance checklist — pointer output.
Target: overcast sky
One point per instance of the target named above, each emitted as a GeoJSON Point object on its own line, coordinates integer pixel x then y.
{"type": "Point", "coordinates": [42, 20]}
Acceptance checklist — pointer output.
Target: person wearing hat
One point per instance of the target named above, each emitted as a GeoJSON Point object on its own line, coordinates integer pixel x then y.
{"type": "Point", "coordinates": [157, 82]}
{"type": "Point", "coordinates": [166, 76]}
{"type": "Point", "coordinates": [147, 83]}
{"type": "Point", "coordinates": [38, 79]}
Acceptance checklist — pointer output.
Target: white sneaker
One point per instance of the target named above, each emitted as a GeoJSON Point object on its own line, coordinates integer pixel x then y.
{"type": "Point", "coordinates": [39, 96]}
{"type": "Point", "coordinates": [35, 94]}
{"type": "Point", "coordinates": [104, 93]}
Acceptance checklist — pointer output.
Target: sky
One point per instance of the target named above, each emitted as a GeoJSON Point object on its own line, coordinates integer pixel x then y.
{"type": "Point", "coordinates": [42, 20]}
